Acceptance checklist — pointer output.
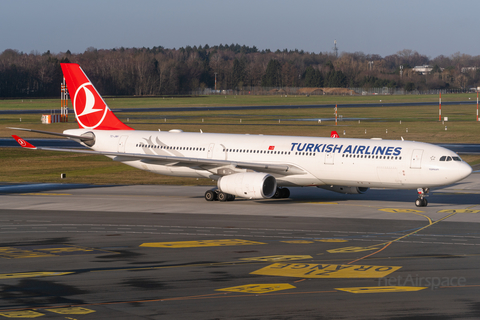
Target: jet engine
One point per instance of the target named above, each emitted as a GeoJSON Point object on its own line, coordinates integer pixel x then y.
{"type": "Point", "coordinates": [251, 185]}
{"type": "Point", "coordinates": [345, 190]}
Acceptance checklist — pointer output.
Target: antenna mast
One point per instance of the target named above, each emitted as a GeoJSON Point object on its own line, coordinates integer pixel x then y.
{"type": "Point", "coordinates": [335, 48]}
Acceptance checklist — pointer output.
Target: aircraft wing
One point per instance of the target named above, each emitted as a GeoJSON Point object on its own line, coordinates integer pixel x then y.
{"type": "Point", "coordinates": [219, 167]}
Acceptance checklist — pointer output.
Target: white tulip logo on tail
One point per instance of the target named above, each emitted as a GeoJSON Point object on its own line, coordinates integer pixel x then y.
{"type": "Point", "coordinates": [22, 142]}
{"type": "Point", "coordinates": [90, 110]}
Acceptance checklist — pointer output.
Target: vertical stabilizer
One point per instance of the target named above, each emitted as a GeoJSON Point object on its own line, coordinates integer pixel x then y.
{"type": "Point", "coordinates": [91, 111]}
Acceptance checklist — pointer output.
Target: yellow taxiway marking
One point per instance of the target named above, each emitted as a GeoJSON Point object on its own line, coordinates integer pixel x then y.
{"type": "Point", "coordinates": [298, 241]}
{"type": "Point", "coordinates": [259, 288]}
{"type": "Point", "coordinates": [397, 210]}
{"type": "Point", "coordinates": [332, 240]}
{"type": "Point", "coordinates": [311, 270]}
{"type": "Point", "coordinates": [459, 211]}
{"type": "Point", "coordinates": [21, 314]}
{"type": "Point", "coordinates": [12, 253]}
{"type": "Point", "coordinates": [71, 310]}
{"type": "Point", "coordinates": [386, 244]}
{"type": "Point", "coordinates": [41, 251]}
{"type": "Point", "coordinates": [320, 202]}
{"type": "Point", "coordinates": [31, 274]}
{"type": "Point", "coordinates": [201, 243]}
{"type": "Point", "coordinates": [380, 289]}
{"type": "Point", "coordinates": [277, 258]}
{"type": "Point", "coordinates": [352, 249]}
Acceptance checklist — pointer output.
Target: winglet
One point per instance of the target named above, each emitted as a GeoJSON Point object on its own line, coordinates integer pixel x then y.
{"type": "Point", "coordinates": [334, 134]}
{"type": "Point", "coordinates": [23, 143]}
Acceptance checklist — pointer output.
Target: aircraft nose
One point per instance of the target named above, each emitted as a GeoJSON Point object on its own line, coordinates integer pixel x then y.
{"type": "Point", "coordinates": [464, 170]}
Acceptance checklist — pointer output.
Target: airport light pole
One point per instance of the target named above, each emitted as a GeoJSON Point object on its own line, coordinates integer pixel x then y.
{"type": "Point", "coordinates": [440, 107]}
{"type": "Point", "coordinates": [335, 114]}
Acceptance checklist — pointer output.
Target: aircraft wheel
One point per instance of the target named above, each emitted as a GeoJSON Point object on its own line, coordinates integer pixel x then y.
{"type": "Point", "coordinates": [285, 193]}
{"type": "Point", "coordinates": [222, 196]}
{"type": "Point", "coordinates": [425, 202]}
{"type": "Point", "coordinates": [278, 193]}
{"type": "Point", "coordinates": [418, 202]}
{"type": "Point", "coordinates": [210, 195]}
{"type": "Point", "coordinates": [230, 197]}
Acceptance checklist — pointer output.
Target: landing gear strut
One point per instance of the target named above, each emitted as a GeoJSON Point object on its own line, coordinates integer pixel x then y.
{"type": "Point", "coordinates": [215, 194]}
{"type": "Point", "coordinates": [422, 194]}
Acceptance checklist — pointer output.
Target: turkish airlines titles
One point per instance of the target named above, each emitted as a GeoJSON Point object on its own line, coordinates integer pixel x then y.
{"type": "Point", "coordinates": [350, 149]}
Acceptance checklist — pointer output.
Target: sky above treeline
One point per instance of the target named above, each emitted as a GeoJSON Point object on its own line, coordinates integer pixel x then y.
{"type": "Point", "coordinates": [431, 28]}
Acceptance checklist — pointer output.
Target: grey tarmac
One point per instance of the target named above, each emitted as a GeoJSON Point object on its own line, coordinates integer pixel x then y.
{"type": "Point", "coordinates": [163, 252]}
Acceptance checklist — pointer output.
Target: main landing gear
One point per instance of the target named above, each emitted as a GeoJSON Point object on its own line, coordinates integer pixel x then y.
{"type": "Point", "coordinates": [281, 193]}
{"type": "Point", "coordinates": [215, 194]}
{"type": "Point", "coordinates": [422, 194]}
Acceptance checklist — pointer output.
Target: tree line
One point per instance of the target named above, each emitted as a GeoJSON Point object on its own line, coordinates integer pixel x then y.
{"type": "Point", "coordinates": [162, 71]}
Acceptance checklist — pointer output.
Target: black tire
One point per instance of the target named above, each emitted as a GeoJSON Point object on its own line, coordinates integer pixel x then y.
{"type": "Point", "coordinates": [285, 193]}
{"type": "Point", "coordinates": [419, 203]}
{"type": "Point", "coordinates": [230, 197]}
{"type": "Point", "coordinates": [277, 193]}
{"type": "Point", "coordinates": [222, 196]}
{"type": "Point", "coordinates": [425, 202]}
{"type": "Point", "coordinates": [210, 195]}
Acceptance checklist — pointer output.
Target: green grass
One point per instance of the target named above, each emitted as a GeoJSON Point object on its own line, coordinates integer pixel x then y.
{"type": "Point", "coordinates": [19, 165]}
{"type": "Point", "coordinates": [235, 100]}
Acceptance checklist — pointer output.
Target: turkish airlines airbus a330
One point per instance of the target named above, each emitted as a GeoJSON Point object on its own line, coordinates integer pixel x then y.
{"type": "Point", "coordinates": [256, 166]}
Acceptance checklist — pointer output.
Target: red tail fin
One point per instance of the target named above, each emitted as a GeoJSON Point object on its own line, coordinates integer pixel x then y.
{"type": "Point", "coordinates": [334, 134]}
{"type": "Point", "coordinates": [90, 109]}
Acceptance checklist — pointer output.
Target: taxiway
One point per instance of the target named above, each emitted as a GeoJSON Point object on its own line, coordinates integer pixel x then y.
{"type": "Point", "coordinates": [163, 252]}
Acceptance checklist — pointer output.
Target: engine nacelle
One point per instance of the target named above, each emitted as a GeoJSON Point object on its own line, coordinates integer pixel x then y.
{"type": "Point", "coordinates": [345, 190]}
{"type": "Point", "coordinates": [252, 185]}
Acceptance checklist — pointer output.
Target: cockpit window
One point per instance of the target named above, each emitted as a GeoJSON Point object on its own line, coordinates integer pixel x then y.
{"type": "Point", "coordinates": [448, 158]}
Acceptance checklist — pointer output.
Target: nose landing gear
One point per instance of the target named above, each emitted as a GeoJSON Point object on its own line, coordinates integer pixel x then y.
{"type": "Point", "coordinates": [422, 194]}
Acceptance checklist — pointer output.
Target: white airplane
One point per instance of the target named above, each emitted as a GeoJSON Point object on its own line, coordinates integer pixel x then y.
{"type": "Point", "coordinates": [256, 166]}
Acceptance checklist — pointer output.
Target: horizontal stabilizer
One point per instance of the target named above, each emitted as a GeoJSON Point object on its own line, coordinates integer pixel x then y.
{"type": "Point", "coordinates": [82, 138]}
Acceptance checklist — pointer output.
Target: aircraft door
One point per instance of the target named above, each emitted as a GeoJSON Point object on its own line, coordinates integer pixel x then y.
{"type": "Point", "coordinates": [210, 150]}
{"type": "Point", "coordinates": [416, 159]}
{"type": "Point", "coordinates": [329, 157]}
{"type": "Point", "coordinates": [121, 143]}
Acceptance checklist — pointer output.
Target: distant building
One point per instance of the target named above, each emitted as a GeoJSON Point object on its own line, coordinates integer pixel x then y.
{"type": "Point", "coordinates": [423, 69]}
{"type": "Point", "coordinates": [467, 69]}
